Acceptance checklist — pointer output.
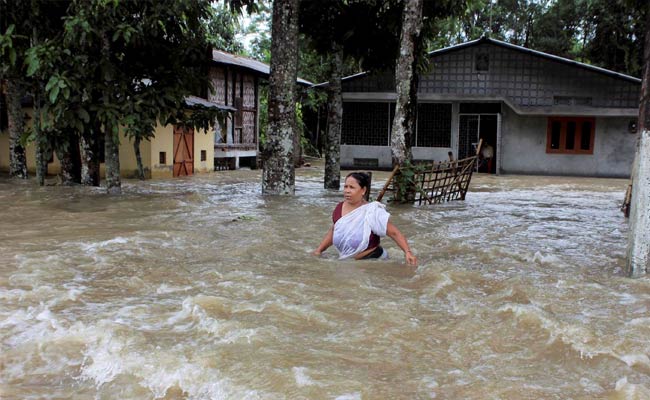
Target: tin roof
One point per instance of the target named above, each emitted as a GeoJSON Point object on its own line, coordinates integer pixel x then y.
{"type": "Point", "coordinates": [247, 63]}
{"type": "Point", "coordinates": [197, 101]}
{"type": "Point", "coordinates": [516, 48]}
{"type": "Point", "coordinates": [522, 49]}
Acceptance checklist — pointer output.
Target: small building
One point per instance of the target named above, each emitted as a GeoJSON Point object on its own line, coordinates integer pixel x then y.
{"type": "Point", "coordinates": [236, 81]}
{"type": "Point", "coordinates": [541, 114]}
{"type": "Point", "coordinates": [178, 151]}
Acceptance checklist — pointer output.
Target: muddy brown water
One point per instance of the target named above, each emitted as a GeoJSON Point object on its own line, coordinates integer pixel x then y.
{"type": "Point", "coordinates": [202, 288]}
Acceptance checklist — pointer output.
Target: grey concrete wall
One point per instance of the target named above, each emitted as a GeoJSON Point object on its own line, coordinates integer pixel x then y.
{"type": "Point", "coordinates": [523, 147]}
{"type": "Point", "coordinates": [384, 157]}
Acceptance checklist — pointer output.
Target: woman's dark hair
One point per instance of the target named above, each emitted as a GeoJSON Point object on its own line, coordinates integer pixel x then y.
{"type": "Point", "coordinates": [361, 177]}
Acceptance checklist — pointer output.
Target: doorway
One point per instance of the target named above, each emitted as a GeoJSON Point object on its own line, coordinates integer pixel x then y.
{"type": "Point", "coordinates": [183, 151]}
{"type": "Point", "coordinates": [472, 128]}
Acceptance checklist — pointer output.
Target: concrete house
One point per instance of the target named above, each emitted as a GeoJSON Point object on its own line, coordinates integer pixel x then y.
{"type": "Point", "coordinates": [542, 114]}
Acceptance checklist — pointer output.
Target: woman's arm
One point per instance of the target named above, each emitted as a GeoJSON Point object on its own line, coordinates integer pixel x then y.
{"type": "Point", "coordinates": [326, 242]}
{"type": "Point", "coordinates": [396, 235]}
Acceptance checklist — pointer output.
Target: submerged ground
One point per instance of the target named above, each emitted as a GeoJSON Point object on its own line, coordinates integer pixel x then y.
{"type": "Point", "coordinates": [201, 288]}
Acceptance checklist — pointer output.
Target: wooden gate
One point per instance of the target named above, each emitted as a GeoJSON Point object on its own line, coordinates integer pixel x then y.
{"type": "Point", "coordinates": [183, 151]}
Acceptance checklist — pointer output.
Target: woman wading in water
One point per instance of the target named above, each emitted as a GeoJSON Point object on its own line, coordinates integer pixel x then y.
{"type": "Point", "coordinates": [358, 225]}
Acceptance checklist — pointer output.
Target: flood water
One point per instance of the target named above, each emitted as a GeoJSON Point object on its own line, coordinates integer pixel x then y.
{"type": "Point", "coordinates": [201, 288]}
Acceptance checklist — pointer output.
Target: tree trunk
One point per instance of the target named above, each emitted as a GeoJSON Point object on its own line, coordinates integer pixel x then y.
{"type": "Point", "coordinates": [406, 82]}
{"type": "Point", "coordinates": [111, 139]}
{"type": "Point", "coordinates": [297, 146]}
{"type": "Point", "coordinates": [332, 179]}
{"type": "Point", "coordinates": [90, 149]}
{"type": "Point", "coordinates": [16, 127]}
{"type": "Point", "coordinates": [638, 247]}
{"type": "Point", "coordinates": [41, 146]}
{"type": "Point", "coordinates": [68, 155]}
{"type": "Point", "coordinates": [138, 157]}
{"type": "Point", "coordinates": [277, 156]}
{"type": "Point", "coordinates": [112, 161]}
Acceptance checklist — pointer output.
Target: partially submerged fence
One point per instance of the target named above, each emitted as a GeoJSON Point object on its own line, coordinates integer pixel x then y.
{"type": "Point", "coordinates": [433, 182]}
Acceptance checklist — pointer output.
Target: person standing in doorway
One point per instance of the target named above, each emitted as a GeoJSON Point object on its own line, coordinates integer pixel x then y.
{"type": "Point", "coordinates": [487, 153]}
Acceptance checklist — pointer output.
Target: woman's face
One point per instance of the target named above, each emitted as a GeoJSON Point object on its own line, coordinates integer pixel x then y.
{"type": "Point", "coordinates": [352, 191]}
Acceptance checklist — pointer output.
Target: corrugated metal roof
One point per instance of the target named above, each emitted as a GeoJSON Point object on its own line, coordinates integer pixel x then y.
{"type": "Point", "coordinates": [194, 101]}
{"type": "Point", "coordinates": [513, 47]}
{"type": "Point", "coordinates": [248, 63]}
{"type": "Point", "coordinates": [536, 53]}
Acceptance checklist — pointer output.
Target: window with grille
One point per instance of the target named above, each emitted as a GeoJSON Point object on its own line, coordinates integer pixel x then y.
{"type": "Point", "coordinates": [434, 125]}
{"type": "Point", "coordinates": [571, 135]}
{"type": "Point", "coordinates": [365, 124]}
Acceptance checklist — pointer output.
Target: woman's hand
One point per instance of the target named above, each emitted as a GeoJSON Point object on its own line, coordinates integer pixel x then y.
{"type": "Point", "coordinates": [316, 253]}
{"type": "Point", "coordinates": [411, 259]}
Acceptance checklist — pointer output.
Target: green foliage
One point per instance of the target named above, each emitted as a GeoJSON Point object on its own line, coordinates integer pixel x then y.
{"type": "Point", "coordinates": [222, 27]}
{"type": "Point", "coordinates": [606, 33]}
{"type": "Point", "coordinates": [8, 53]}
{"type": "Point", "coordinates": [405, 183]}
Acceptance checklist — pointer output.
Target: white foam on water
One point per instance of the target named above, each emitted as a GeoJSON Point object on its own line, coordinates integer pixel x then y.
{"type": "Point", "coordinates": [631, 391]}
{"type": "Point", "coordinates": [643, 321]}
{"type": "Point", "coordinates": [32, 324]}
{"type": "Point", "coordinates": [90, 247]}
{"type": "Point", "coordinates": [636, 359]}
{"type": "Point", "coordinates": [164, 289]}
{"type": "Point", "coordinates": [192, 316]}
{"type": "Point", "coordinates": [579, 338]}
{"type": "Point", "coordinates": [103, 360]}
{"type": "Point", "coordinates": [349, 396]}
{"type": "Point", "coordinates": [429, 384]}
{"type": "Point", "coordinates": [539, 258]}
{"type": "Point", "coordinates": [301, 377]}
{"type": "Point", "coordinates": [590, 386]}
{"type": "Point", "coordinates": [157, 370]}
{"type": "Point", "coordinates": [627, 298]}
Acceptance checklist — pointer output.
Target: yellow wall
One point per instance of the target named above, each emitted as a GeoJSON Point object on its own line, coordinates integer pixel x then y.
{"type": "Point", "coordinates": [162, 142]}
{"type": "Point", "coordinates": [52, 168]}
{"type": "Point", "coordinates": [203, 141]}
{"type": "Point", "coordinates": [128, 162]}
{"type": "Point", "coordinates": [149, 150]}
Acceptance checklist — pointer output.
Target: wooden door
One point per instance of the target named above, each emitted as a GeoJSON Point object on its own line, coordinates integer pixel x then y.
{"type": "Point", "coordinates": [183, 151]}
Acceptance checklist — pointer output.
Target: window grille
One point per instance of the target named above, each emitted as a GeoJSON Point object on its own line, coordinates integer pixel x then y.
{"type": "Point", "coordinates": [365, 124]}
{"type": "Point", "coordinates": [434, 125]}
